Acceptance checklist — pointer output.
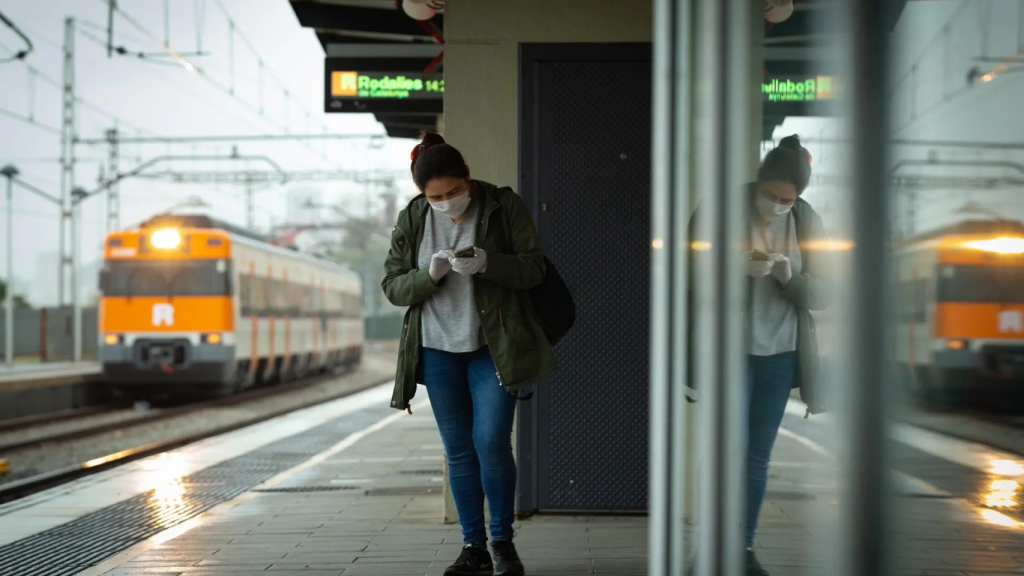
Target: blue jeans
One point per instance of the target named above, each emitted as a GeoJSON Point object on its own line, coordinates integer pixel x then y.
{"type": "Point", "coordinates": [474, 414]}
{"type": "Point", "coordinates": [769, 382]}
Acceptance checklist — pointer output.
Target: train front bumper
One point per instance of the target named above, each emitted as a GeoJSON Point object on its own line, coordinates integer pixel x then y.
{"type": "Point", "coordinates": [989, 367]}
{"type": "Point", "coordinates": [150, 360]}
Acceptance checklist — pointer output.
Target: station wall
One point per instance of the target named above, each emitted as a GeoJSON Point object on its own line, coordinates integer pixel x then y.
{"type": "Point", "coordinates": [481, 66]}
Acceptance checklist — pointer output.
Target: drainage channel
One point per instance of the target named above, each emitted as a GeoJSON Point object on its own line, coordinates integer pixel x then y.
{"type": "Point", "coordinates": [86, 541]}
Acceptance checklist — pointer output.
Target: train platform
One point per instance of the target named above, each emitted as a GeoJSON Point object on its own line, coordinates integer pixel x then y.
{"type": "Point", "coordinates": [31, 389]}
{"type": "Point", "coordinates": [46, 371]}
{"type": "Point", "coordinates": [353, 488]}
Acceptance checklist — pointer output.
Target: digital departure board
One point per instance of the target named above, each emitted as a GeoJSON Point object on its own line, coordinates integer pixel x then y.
{"type": "Point", "coordinates": [799, 89]}
{"type": "Point", "coordinates": [370, 91]}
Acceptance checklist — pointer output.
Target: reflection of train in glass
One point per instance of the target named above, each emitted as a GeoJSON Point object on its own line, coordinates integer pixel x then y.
{"type": "Point", "coordinates": [960, 322]}
{"type": "Point", "coordinates": [191, 305]}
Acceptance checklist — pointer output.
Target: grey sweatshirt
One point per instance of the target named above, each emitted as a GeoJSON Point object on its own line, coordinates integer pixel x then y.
{"type": "Point", "coordinates": [449, 318]}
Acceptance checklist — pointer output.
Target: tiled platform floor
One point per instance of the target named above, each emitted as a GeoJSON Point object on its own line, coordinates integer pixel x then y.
{"type": "Point", "coordinates": [374, 508]}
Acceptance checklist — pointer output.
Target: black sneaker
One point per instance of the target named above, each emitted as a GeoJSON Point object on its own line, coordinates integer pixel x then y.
{"type": "Point", "coordinates": [473, 561]}
{"type": "Point", "coordinates": [507, 559]}
{"type": "Point", "coordinates": [753, 566]}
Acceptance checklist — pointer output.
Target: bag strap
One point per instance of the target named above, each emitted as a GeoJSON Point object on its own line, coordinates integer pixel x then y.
{"type": "Point", "coordinates": [505, 235]}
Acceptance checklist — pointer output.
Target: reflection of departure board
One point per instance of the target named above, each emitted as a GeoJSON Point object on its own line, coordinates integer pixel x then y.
{"type": "Point", "coordinates": [799, 89]}
{"type": "Point", "coordinates": [396, 92]}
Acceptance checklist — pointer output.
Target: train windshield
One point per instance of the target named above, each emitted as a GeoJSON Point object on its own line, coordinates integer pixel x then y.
{"type": "Point", "coordinates": [995, 284]}
{"type": "Point", "coordinates": [166, 278]}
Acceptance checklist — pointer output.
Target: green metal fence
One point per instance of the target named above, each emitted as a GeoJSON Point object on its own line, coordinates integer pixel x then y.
{"type": "Point", "coordinates": [384, 327]}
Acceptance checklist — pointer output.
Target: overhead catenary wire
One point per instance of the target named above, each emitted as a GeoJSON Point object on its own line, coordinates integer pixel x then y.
{"type": "Point", "coordinates": [252, 48]}
{"type": "Point", "coordinates": [166, 47]}
{"type": "Point", "coordinates": [88, 30]}
{"type": "Point", "coordinates": [20, 54]}
{"type": "Point", "coordinates": [209, 79]}
{"type": "Point", "coordinates": [203, 73]}
{"type": "Point", "coordinates": [31, 122]}
{"type": "Point", "coordinates": [38, 74]}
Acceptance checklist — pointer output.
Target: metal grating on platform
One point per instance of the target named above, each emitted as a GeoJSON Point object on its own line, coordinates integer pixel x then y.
{"type": "Point", "coordinates": [787, 495]}
{"type": "Point", "coordinates": [404, 491]}
{"type": "Point", "coordinates": [72, 547]}
{"type": "Point", "coordinates": [294, 489]}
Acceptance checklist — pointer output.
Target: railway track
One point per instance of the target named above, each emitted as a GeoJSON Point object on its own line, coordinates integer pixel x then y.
{"type": "Point", "coordinates": [144, 417]}
{"type": "Point", "coordinates": [17, 489]}
{"type": "Point", "coordinates": [17, 424]}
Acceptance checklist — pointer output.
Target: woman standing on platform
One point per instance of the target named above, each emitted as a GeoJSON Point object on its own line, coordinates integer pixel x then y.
{"type": "Point", "coordinates": [462, 255]}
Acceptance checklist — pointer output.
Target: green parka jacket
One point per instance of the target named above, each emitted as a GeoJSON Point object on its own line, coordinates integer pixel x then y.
{"type": "Point", "coordinates": [515, 263]}
{"type": "Point", "coordinates": [810, 290]}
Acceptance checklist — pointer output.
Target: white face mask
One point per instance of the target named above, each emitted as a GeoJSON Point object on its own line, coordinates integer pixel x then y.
{"type": "Point", "coordinates": [770, 210]}
{"type": "Point", "coordinates": [452, 208]}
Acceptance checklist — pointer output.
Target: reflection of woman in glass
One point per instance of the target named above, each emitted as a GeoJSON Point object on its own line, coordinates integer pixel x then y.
{"type": "Point", "coordinates": [786, 240]}
{"type": "Point", "coordinates": [784, 265]}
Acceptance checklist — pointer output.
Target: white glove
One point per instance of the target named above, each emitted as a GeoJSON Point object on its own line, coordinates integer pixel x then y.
{"type": "Point", "coordinates": [470, 266]}
{"type": "Point", "coordinates": [781, 268]}
{"type": "Point", "coordinates": [440, 265]}
{"type": "Point", "coordinates": [758, 268]}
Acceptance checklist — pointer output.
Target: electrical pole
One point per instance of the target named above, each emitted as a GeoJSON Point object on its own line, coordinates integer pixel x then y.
{"type": "Point", "coordinates": [912, 215]}
{"type": "Point", "coordinates": [76, 307]}
{"type": "Point", "coordinates": [67, 156]}
{"type": "Point", "coordinates": [113, 195]}
{"type": "Point", "coordinates": [112, 7]}
{"type": "Point", "coordinates": [250, 217]}
{"type": "Point", "coordinates": [9, 172]}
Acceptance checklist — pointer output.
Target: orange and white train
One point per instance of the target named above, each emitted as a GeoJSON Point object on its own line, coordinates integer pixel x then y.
{"type": "Point", "coordinates": [960, 311]}
{"type": "Point", "coordinates": [193, 306]}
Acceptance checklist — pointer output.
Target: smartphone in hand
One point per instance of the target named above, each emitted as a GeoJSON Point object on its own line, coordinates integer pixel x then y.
{"type": "Point", "coordinates": [467, 252]}
{"type": "Point", "coordinates": [756, 254]}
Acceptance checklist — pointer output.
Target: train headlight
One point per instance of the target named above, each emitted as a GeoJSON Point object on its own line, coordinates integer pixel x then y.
{"type": "Point", "coordinates": [1002, 245]}
{"type": "Point", "coordinates": [166, 239]}
{"type": "Point", "coordinates": [213, 339]}
{"type": "Point", "coordinates": [111, 339]}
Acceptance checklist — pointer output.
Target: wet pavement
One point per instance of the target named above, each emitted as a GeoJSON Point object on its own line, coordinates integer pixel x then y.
{"type": "Point", "coordinates": [373, 503]}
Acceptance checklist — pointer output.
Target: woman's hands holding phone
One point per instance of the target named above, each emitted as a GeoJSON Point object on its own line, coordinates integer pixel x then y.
{"type": "Point", "coordinates": [758, 264]}
{"type": "Point", "coordinates": [440, 265]}
{"type": "Point", "coordinates": [781, 268]}
{"type": "Point", "coordinates": [469, 265]}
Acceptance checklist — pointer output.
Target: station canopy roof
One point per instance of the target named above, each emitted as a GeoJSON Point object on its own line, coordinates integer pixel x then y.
{"type": "Point", "coordinates": [798, 47]}
{"type": "Point", "coordinates": [376, 23]}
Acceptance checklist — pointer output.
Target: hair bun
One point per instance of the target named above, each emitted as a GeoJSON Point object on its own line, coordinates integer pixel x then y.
{"type": "Point", "coordinates": [791, 142]}
{"type": "Point", "coordinates": [431, 139]}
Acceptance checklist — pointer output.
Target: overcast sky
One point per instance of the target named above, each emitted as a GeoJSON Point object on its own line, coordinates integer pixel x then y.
{"type": "Point", "coordinates": [161, 99]}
